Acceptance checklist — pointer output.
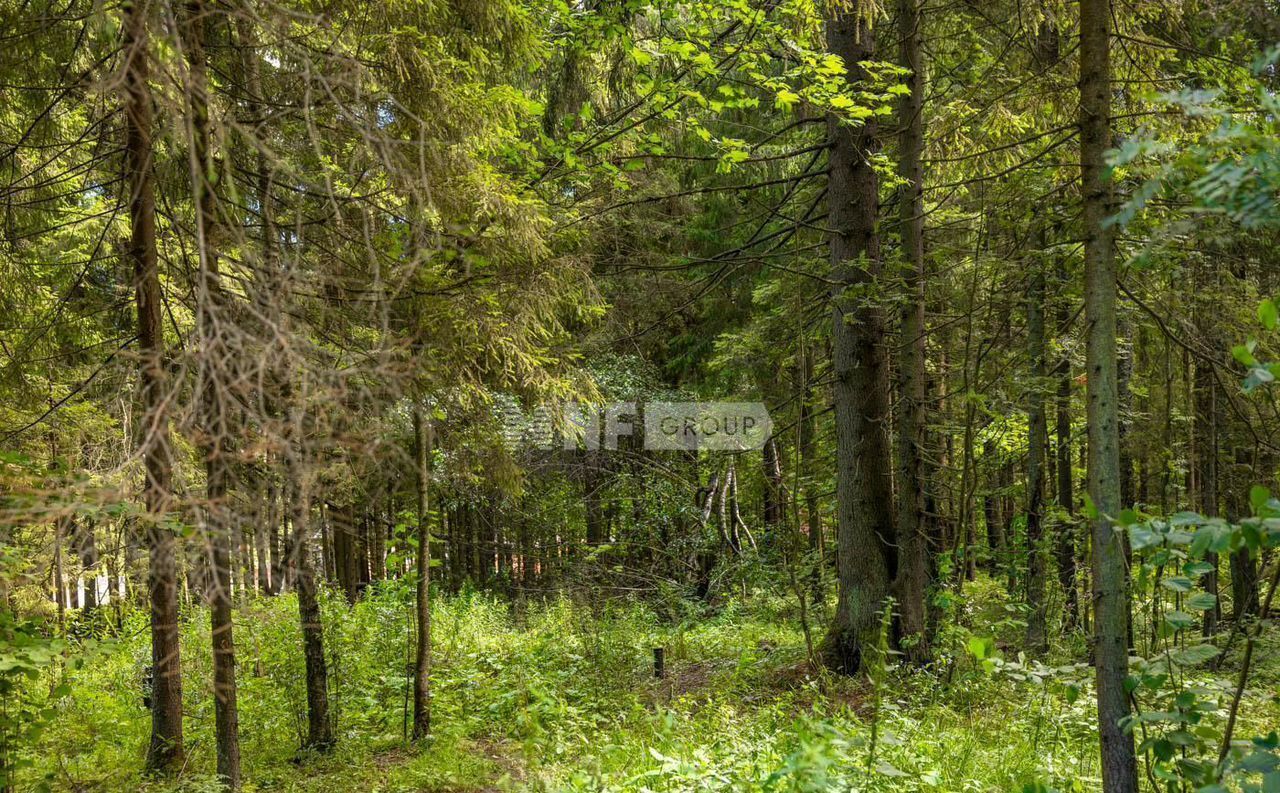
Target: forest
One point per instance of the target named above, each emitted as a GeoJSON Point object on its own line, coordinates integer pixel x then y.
{"type": "Point", "coordinates": [639, 395]}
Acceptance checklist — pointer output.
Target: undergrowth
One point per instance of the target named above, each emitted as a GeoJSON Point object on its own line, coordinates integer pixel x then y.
{"type": "Point", "coordinates": [561, 696]}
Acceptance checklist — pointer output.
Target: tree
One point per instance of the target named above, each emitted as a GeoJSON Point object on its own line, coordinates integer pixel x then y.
{"type": "Point", "coordinates": [216, 362]}
{"type": "Point", "coordinates": [866, 539]}
{"type": "Point", "coordinates": [1037, 444]}
{"type": "Point", "coordinates": [165, 751]}
{"type": "Point", "coordinates": [1065, 544]}
{"type": "Point", "coordinates": [1110, 590]}
{"type": "Point", "coordinates": [422, 657]}
{"type": "Point", "coordinates": [912, 375]}
{"type": "Point", "coordinates": [319, 729]}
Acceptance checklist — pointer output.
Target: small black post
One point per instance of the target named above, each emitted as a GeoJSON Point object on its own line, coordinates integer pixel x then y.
{"type": "Point", "coordinates": [659, 666]}
{"type": "Point", "coordinates": [148, 685]}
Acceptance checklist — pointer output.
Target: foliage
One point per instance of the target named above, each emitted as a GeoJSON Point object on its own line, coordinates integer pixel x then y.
{"type": "Point", "coordinates": [557, 697]}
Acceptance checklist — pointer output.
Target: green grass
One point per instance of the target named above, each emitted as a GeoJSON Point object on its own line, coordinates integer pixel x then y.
{"type": "Point", "coordinates": [561, 697]}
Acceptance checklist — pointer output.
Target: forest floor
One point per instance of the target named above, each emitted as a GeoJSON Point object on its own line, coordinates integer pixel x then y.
{"type": "Point", "coordinates": [562, 697]}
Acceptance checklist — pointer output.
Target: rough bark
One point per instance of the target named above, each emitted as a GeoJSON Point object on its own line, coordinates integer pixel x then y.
{"type": "Point", "coordinates": [165, 748]}
{"type": "Point", "coordinates": [864, 495]}
{"type": "Point", "coordinates": [911, 419]}
{"type": "Point", "coordinates": [1110, 591]}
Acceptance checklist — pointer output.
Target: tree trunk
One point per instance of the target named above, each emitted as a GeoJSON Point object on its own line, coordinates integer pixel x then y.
{"type": "Point", "coordinates": [346, 550]}
{"type": "Point", "coordinates": [997, 543]}
{"type": "Point", "coordinates": [864, 495]}
{"type": "Point", "coordinates": [1110, 592]}
{"type": "Point", "coordinates": [1124, 375]}
{"type": "Point", "coordinates": [87, 550]}
{"type": "Point", "coordinates": [1244, 585]}
{"type": "Point", "coordinates": [262, 540]}
{"type": "Point", "coordinates": [377, 547]}
{"type": "Point", "coordinates": [165, 749]}
{"type": "Point", "coordinates": [1008, 510]}
{"type": "Point", "coordinates": [422, 660]}
{"type": "Point", "coordinates": [58, 572]}
{"type": "Point", "coordinates": [328, 553]}
{"type": "Point", "coordinates": [592, 483]}
{"type": "Point", "coordinates": [772, 509]}
{"type": "Point", "coordinates": [226, 716]}
{"type": "Point", "coordinates": [319, 730]}
{"type": "Point", "coordinates": [808, 455]}
{"type": "Point", "coordinates": [1205, 420]}
{"type": "Point", "coordinates": [459, 528]}
{"type": "Point", "coordinates": [215, 358]}
{"type": "Point", "coordinates": [475, 545]}
{"type": "Point", "coordinates": [265, 540]}
{"type": "Point", "coordinates": [364, 540]}
{"type": "Point", "coordinates": [1066, 545]}
{"type": "Point", "coordinates": [1037, 443]}
{"type": "Point", "coordinates": [912, 530]}
{"type": "Point", "coordinates": [1124, 400]}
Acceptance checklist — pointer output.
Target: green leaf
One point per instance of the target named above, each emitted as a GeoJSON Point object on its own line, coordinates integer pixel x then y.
{"type": "Point", "coordinates": [1202, 601]}
{"type": "Point", "coordinates": [1258, 498]}
{"type": "Point", "coordinates": [1181, 738]}
{"type": "Point", "coordinates": [786, 99]}
{"type": "Point", "coordinates": [1194, 655]}
{"type": "Point", "coordinates": [1162, 717]}
{"type": "Point", "coordinates": [888, 769]}
{"type": "Point", "coordinates": [1090, 509]}
{"type": "Point", "coordinates": [1268, 314]}
{"type": "Point", "coordinates": [1196, 569]}
{"type": "Point", "coordinates": [1204, 538]}
{"type": "Point", "coordinates": [1260, 762]}
{"type": "Point", "coordinates": [981, 647]}
{"type": "Point", "coordinates": [1213, 537]}
{"type": "Point", "coordinates": [1244, 354]}
{"type": "Point", "coordinates": [1141, 537]}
